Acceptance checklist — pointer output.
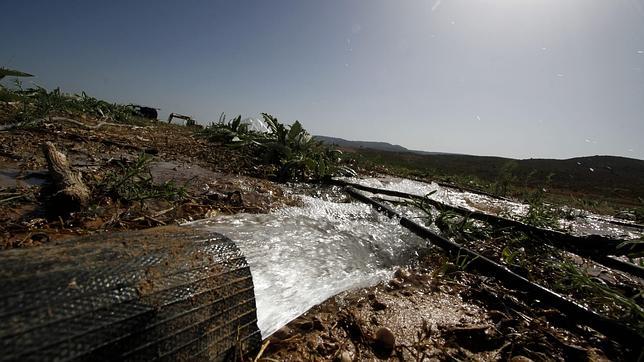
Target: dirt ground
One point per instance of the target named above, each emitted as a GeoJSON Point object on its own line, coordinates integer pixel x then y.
{"type": "Point", "coordinates": [217, 179]}
{"type": "Point", "coordinates": [432, 313]}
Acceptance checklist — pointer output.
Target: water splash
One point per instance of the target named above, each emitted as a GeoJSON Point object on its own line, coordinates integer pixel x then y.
{"type": "Point", "coordinates": [301, 256]}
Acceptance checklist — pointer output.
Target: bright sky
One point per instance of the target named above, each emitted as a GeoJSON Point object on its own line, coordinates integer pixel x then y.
{"type": "Point", "coordinates": [517, 78]}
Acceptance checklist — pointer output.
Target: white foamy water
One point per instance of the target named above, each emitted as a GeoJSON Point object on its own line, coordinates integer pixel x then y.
{"type": "Point", "coordinates": [585, 225]}
{"type": "Point", "coordinates": [301, 256]}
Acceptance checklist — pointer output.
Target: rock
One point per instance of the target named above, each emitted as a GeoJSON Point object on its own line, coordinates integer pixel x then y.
{"type": "Point", "coordinates": [378, 305]}
{"type": "Point", "coordinates": [384, 343]}
{"type": "Point", "coordinates": [345, 356]}
{"type": "Point", "coordinates": [402, 274]}
{"type": "Point", "coordinates": [396, 283]}
{"type": "Point", "coordinates": [283, 333]}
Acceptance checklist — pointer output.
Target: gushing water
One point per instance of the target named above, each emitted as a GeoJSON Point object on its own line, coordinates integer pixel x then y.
{"type": "Point", "coordinates": [301, 256]}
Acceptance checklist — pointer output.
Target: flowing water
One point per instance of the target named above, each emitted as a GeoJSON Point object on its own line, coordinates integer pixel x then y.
{"type": "Point", "coordinates": [586, 224]}
{"type": "Point", "coordinates": [301, 256]}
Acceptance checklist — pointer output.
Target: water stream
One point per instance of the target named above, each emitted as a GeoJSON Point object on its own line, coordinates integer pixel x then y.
{"type": "Point", "coordinates": [301, 256]}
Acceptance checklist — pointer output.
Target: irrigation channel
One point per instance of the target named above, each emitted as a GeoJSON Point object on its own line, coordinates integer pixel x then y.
{"type": "Point", "coordinates": [341, 239]}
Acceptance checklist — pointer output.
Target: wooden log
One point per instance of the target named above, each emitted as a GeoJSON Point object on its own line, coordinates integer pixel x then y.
{"type": "Point", "coordinates": [70, 193]}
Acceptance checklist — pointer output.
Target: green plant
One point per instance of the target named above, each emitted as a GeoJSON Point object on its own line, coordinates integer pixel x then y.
{"type": "Point", "coordinates": [452, 224]}
{"type": "Point", "coordinates": [572, 279]}
{"type": "Point", "coordinates": [134, 183]}
{"type": "Point", "coordinates": [291, 149]}
{"type": "Point", "coordinates": [539, 214]}
{"type": "Point", "coordinates": [36, 104]}
{"type": "Point", "coordinates": [506, 178]}
{"type": "Point", "coordinates": [425, 206]}
{"type": "Point", "coordinates": [6, 72]}
{"type": "Point", "coordinates": [459, 264]}
{"type": "Point", "coordinates": [233, 132]}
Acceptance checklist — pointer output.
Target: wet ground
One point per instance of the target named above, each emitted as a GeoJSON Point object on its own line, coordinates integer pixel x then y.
{"type": "Point", "coordinates": [423, 315]}
{"type": "Point", "coordinates": [216, 179]}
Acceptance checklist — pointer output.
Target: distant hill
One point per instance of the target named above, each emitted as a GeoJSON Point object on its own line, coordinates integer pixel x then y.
{"type": "Point", "coordinates": [380, 146]}
{"type": "Point", "coordinates": [608, 176]}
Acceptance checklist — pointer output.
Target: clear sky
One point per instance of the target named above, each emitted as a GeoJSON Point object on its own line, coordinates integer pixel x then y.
{"type": "Point", "coordinates": [517, 78]}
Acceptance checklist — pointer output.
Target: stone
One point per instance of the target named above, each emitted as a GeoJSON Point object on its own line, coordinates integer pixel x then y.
{"type": "Point", "coordinates": [345, 356]}
{"type": "Point", "coordinates": [384, 343]}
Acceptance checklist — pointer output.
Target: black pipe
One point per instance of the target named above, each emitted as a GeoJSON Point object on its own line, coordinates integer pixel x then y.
{"type": "Point", "coordinates": [608, 327]}
{"type": "Point", "coordinates": [594, 247]}
{"type": "Point", "coordinates": [583, 245]}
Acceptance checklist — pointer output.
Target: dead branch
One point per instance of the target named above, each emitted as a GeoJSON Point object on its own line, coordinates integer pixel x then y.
{"type": "Point", "coordinates": [70, 191]}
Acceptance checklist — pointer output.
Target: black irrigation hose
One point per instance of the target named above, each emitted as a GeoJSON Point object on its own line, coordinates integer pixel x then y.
{"type": "Point", "coordinates": [583, 246]}
{"type": "Point", "coordinates": [622, 223]}
{"type": "Point", "coordinates": [489, 194]}
{"type": "Point", "coordinates": [591, 245]}
{"type": "Point", "coordinates": [608, 327]}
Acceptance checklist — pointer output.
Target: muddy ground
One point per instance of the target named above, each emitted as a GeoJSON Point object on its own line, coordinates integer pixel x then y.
{"type": "Point", "coordinates": [431, 313]}
{"type": "Point", "coordinates": [216, 179]}
{"type": "Point", "coordinates": [434, 311]}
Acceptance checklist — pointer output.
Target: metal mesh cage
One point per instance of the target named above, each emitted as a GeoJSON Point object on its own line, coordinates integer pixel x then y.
{"type": "Point", "coordinates": [165, 293]}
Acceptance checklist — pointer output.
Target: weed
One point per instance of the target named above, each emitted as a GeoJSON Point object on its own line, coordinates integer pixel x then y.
{"type": "Point", "coordinates": [573, 280]}
{"type": "Point", "coordinates": [452, 224]}
{"type": "Point", "coordinates": [233, 132]}
{"type": "Point", "coordinates": [37, 104]}
{"type": "Point", "coordinates": [134, 183]}
{"type": "Point", "coordinates": [424, 205]}
{"type": "Point", "coordinates": [291, 149]}
{"type": "Point", "coordinates": [506, 178]}
{"type": "Point", "coordinates": [459, 264]}
{"type": "Point", "coordinates": [539, 214]}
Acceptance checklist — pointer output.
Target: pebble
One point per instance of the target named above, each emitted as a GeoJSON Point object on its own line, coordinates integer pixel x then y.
{"type": "Point", "coordinates": [378, 305]}
{"type": "Point", "coordinates": [384, 342]}
{"type": "Point", "coordinates": [345, 356]}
